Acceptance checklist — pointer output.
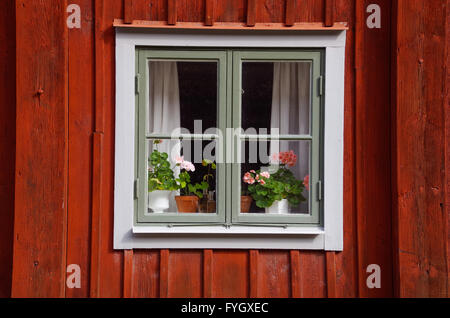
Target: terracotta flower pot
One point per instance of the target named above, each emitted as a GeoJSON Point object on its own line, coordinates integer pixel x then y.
{"type": "Point", "coordinates": [246, 202]}
{"type": "Point", "coordinates": [187, 203]}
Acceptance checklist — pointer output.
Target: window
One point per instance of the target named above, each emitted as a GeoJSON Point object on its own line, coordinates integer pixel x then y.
{"type": "Point", "coordinates": [273, 108]}
{"type": "Point", "coordinates": [228, 141]}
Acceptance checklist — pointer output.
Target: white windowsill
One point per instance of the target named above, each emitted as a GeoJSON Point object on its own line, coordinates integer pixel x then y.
{"type": "Point", "coordinates": [232, 230]}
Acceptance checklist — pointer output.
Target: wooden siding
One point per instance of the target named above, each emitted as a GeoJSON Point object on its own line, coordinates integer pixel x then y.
{"type": "Point", "coordinates": [7, 141]}
{"type": "Point", "coordinates": [394, 168]}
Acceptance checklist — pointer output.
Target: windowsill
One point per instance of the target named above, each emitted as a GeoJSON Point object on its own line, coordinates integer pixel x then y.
{"type": "Point", "coordinates": [232, 230]}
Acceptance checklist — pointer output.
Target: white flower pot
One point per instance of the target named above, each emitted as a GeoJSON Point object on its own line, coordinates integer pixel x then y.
{"type": "Point", "coordinates": [159, 200]}
{"type": "Point", "coordinates": [279, 207]}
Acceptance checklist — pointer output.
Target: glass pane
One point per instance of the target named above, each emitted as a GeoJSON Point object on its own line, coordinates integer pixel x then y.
{"type": "Point", "coordinates": [181, 176]}
{"type": "Point", "coordinates": [275, 176]}
{"type": "Point", "coordinates": [182, 94]}
{"type": "Point", "coordinates": [276, 97]}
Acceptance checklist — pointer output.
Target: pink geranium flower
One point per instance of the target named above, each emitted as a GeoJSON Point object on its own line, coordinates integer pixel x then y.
{"type": "Point", "coordinates": [179, 160]}
{"type": "Point", "coordinates": [265, 174]}
{"type": "Point", "coordinates": [306, 182]}
{"type": "Point", "coordinates": [248, 178]}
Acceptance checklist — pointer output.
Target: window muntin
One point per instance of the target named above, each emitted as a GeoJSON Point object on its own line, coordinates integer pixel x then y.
{"type": "Point", "coordinates": [232, 110]}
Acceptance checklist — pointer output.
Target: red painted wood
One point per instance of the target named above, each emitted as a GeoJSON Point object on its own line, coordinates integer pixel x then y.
{"type": "Point", "coordinates": [254, 273]}
{"type": "Point", "coordinates": [331, 274]}
{"type": "Point", "coordinates": [7, 142]}
{"type": "Point", "coordinates": [231, 274]}
{"type": "Point", "coordinates": [80, 143]}
{"type": "Point", "coordinates": [209, 12]}
{"type": "Point", "coordinates": [373, 135]}
{"type": "Point", "coordinates": [346, 261]}
{"type": "Point", "coordinates": [251, 12]}
{"type": "Point", "coordinates": [313, 277]}
{"type": "Point", "coordinates": [146, 273]}
{"type": "Point", "coordinates": [40, 221]}
{"type": "Point", "coordinates": [296, 288]}
{"type": "Point", "coordinates": [273, 274]}
{"type": "Point", "coordinates": [164, 274]}
{"type": "Point", "coordinates": [420, 108]}
{"type": "Point", "coordinates": [128, 274]}
{"type": "Point", "coordinates": [185, 277]}
{"type": "Point", "coordinates": [290, 12]}
{"type": "Point", "coordinates": [207, 273]}
{"type": "Point", "coordinates": [128, 11]}
{"type": "Point", "coordinates": [329, 12]}
{"type": "Point", "coordinates": [171, 12]}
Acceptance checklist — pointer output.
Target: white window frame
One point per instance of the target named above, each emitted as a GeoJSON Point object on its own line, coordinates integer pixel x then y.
{"type": "Point", "coordinates": [327, 237]}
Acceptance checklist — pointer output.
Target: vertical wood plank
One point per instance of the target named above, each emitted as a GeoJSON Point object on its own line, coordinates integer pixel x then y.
{"type": "Point", "coordinates": [296, 290]}
{"type": "Point", "coordinates": [41, 142]}
{"type": "Point", "coordinates": [128, 11]}
{"type": "Point", "coordinates": [7, 142]}
{"type": "Point", "coordinates": [146, 265]}
{"type": "Point", "coordinates": [128, 274]}
{"type": "Point", "coordinates": [80, 143]}
{"type": "Point", "coordinates": [209, 12]}
{"type": "Point", "coordinates": [254, 263]}
{"type": "Point", "coordinates": [251, 12]}
{"type": "Point", "coordinates": [207, 273]}
{"type": "Point", "coordinates": [291, 11]}
{"type": "Point", "coordinates": [164, 274]}
{"type": "Point", "coordinates": [373, 160]}
{"type": "Point", "coordinates": [331, 274]}
{"type": "Point", "coordinates": [346, 261]}
{"type": "Point", "coordinates": [171, 12]}
{"type": "Point", "coordinates": [185, 274]}
{"type": "Point", "coordinates": [419, 143]}
{"type": "Point", "coordinates": [329, 13]}
{"type": "Point", "coordinates": [231, 273]}
{"type": "Point", "coordinates": [274, 278]}
{"type": "Point", "coordinates": [97, 154]}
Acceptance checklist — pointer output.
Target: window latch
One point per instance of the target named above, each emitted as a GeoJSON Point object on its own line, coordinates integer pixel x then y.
{"type": "Point", "coordinates": [136, 189]}
{"type": "Point", "coordinates": [136, 84]}
{"type": "Point", "coordinates": [320, 83]}
{"type": "Point", "coordinates": [319, 190]}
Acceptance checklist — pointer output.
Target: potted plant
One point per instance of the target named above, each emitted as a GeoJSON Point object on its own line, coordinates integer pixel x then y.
{"type": "Point", "coordinates": [187, 201]}
{"type": "Point", "coordinates": [277, 191]}
{"type": "Point", "coordinates": [161, 181]}
{"type": "Point", "coordinates": [246, 199]}
{"type": "Point", "coordinates": [207, 203]}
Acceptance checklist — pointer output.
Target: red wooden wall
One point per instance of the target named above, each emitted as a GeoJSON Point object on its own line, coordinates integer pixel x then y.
{"type": "Point", "coordinates": [395, 203]}
{"type": "Point", "coordinates": [7, 141]}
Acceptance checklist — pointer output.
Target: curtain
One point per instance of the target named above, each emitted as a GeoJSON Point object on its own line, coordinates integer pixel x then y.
{"type": "Point", "coordinates": [291, 112]}
{"type": "Point", "coordinates": [164, 108]}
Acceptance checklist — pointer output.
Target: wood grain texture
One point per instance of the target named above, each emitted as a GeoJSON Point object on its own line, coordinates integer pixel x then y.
{"type": "Point", "coordinates": [231, 274]}
{"type": "Point", "coordinates": [171, 12]}
{"type": "Point", "coordinates": [128, 11]}
{"type": "Point", "coordinates": [254, 273]}
{"type": "Point", "coordinates": [251, 12]}
{"type": "Point", "coordinates": [40, 221]}
{"type": "Point", "coordinates": [331, 274]}
{"type": "Point", "coordinates": [373, 159]}
{"type": "Point", "coordinates": [329, 12]}
{"type": "Point", "coordinates": [164, 274]}
{"type": "Point", "coordinates": [207, 273]}
{"type": "Point", "coordinates": [209, 12]}
{"type": "Point", "coordinates": [7, 141]}
{"type": "Point", "coordinates": [422, 220]}
{"type": "Point", "coordinates": [80, 143]}
{"type": "Point", "coordinates": [290, 12]}
{"type": "Point", "coordinates": [185, 277]}
{"type": "Point", "coordinates": [128, 272]}
{"type": "Point", "coordinates": [296, 288]}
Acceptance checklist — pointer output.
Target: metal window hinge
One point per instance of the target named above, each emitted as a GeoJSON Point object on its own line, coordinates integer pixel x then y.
{"type": "Point", "coordinates": [136, 84]}
{"type": "Point", "coordinates": [136, 189]}
{"type": "Point", "coordinates": [319, 190]}
{"type": "Point", "coordinates": [320, 83]}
